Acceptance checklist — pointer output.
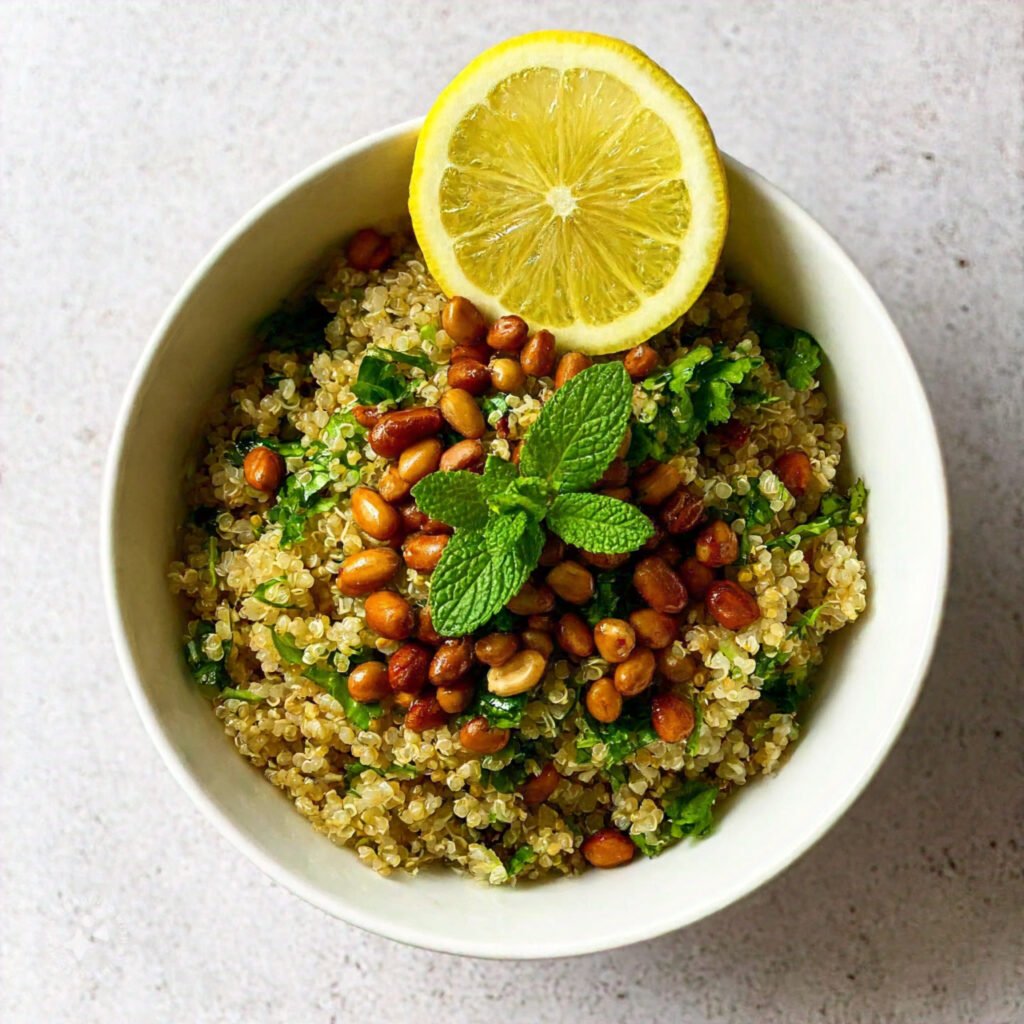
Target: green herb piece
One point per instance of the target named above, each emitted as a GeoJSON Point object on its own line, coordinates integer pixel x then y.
{"type": "Point", "coordinates": [205, 517]}
{"type": "Point", "coordinates": [523, 856]}
{"type": "Point", "coordinates": [598, 523]}
{"type": "Point", "coordinates": [836, 511]}
{"type": "Point", "coordinates": [494, 407]}
{"type": "Point", "coordinates": [260, 593]}
{"type": "Point", "coordinates": [806, 622]}
{"type": "Point", "coordinates": [456, 498]}
{"type": "Point", "coordinates": [796, 354]}
{"type": "Point", "coordinates": [295, 325]}
{"type": "Point", "coordinates": [579, 429]}
{"type": "Point", "coordinates": [471, 582]}
{"type": "Point", "coordinates": [609, 596]}
{"type": "Point", "coordinates": [211, 676]}
{"type": "Point", "coordinates": [622, 738]}
{"type": "Point", "coordinates": [211, 559]}
{"type": "Point", "coordinates": [688, 812]}
{"type": "Point", "coordinates": [503, 621]}
{"type": "Point", "coordinates": [698, 723]}
{"type": "Point", "coordinates": [428, 332]}
{"type": "Point", "coordinates": [393, 771]}
{"type": "Point", "coordinates": [379, 379]}
{"type": "Point", "coordinates": [502, 532]}
{"type": "Point", "coordinates": [499, 475]}
{"type": "Point", "coordinates": [249, 439]}
{"type": "Point", "coordinates": [230, 693]}
{"type": "Point", "coordinates": [360, 715]}
{"type": "Point", "coordinates": [787, 690]}
{"type": "Point", "coordinates": [286, 648]}
{"type": "Point", "coordinates": [500, 712]}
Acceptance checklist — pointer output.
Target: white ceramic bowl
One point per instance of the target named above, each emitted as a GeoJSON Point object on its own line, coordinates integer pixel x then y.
{"type": "Point", "coordinates": [873, 673]}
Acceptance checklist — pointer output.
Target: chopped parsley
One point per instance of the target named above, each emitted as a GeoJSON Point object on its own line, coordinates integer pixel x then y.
{"type": "Point", "coordinates": [688, 810]}
{"type": "Point", "coordinates": [794, 352]}
{"type": "Point", "coordinates": [295, 326]}
{"type": "Point", "coordinates": [835, 511]}
{"type": "Point", "coordinates": [211, 676]}
{"type": "Point", "coordinates": [621, 738]}
{"type": "Point", "coordinates": [380, 379]}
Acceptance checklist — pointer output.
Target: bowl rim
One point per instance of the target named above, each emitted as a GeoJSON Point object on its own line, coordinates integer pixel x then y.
{"type": "Point", "coordinates": [397, 930]}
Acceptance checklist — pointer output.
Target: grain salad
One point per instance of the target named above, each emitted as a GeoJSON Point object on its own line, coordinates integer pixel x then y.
{"type": "Point", "coordinates": [609, 705]}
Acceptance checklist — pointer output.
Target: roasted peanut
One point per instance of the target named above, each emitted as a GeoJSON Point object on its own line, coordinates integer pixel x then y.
{"type": "Point", "coordinates": [425, 713]}
{"type": "Point", "coordinates": [264, 469]}
{"type": "Point", "coordinates": [615, 475]}
{"type": "Point", "coordinates": [545, 623]}
{"type": "Point", "coordinates": [655, 629]}
{"type": "Point", "coordinates": [574, 636]}
{"type": "Point", "coordinates": [462, 321]}
{"type": "Point", "coordinates": [670, 551]}
{"type": "Point", "coordinates": [507, 375]}
{"type": "Point", "coordinates": [696, 576]}
{"type": "Point", "coordinates": [369, 682]}
{"type": "Point", "coordinates": [730, 605]}
{"type": "Point", "coordinates": [408, 667]}
{"type": "Point", "coordinates": [539, 788]}
{"type": "Point", "coordinates": [478, 737]}
{"type": "Point", "coordinates": [422, 551]}
{"type": "Point", "coordinates": [569, 366]}
{"type": "Point", "coordinates": [615, 639]}
{"type": "Point", "coordinates": [532, 600]}
{"type": "Point", "coordinates": [419, 460]}
{"type": "Point", "coordinates": [367, 415]}
{"type": "Point", "coordinates": [455, 698]}
{"type": "Point", "coordinates": [451, 661]}
{"type": "Point", "coordinates": [623, 450]}
{"type": "Point", "coordinates": [571, 582]}
{"type": "Point", "coordinates": [374, 515]}
{"type": "Point", "coordinates": [395, 431]}
{"type": "Point", "coordinates": [636, 673]}
{"type": "Point", "coordinates": [403, 700]}
{"type": "Point", "coordinates": [538, 355]}
{"type": "Point", "coordinates": [681, 512]}
{"type": "Point", "coordinates": [659, 586]}
{"type": "Point", "coordinates": [795, 471]}
{"type": "Point", "coordinates": [602, 561]}
{"type": "Point", "coordinates": [553, 551]}
{"type": "Point", "coordinates": [672, 717]}
{"type": "Point", "coordinates": [603, 701]}
{"type": "Point", "coordinates": [522, 672]}
{"type": "Point", "coordinates": [657, 484]}
{"type": "Point", "coordinates": [608, 848]}
{"type": "Point", "coordinates": [462, 413]}
{"type": "Point", "coordinates": [367, 571]}
{"type": "Point", "coordinates": [368, 250]}
{"type": "Point", "coordinates": [391, 486]}
{"type": "Point", "coordinates": [717, 544]}
{"type": "Point", "coordinates": [469, 375]}
{"type": "Point", "coordinates": [734, 435]}
{"type": "Point", "coordinates": [496, 648]}
{"type": "Point", "coordinates": [507, 334]}
{"type": "Point", "coordinates": [415, 520]}
{"type": "Point", "coordinates": [425, 628]}
{"type": "Point", "coordinates": [475, 350]}
{"type": "Point", "coordinates": [656, 538]}
{"type": "Point", "coordinates": [641, 361]}
{"type": "Point", "coordinates": [468, 455]}
{"type": "Point", "coordinates": [675, 664]}
{"type": "Point", "coordinates": [538, 640]}
{"type": "Point", "coordinates": [619, 493]}
{"type": "Point", "coordinates": [390, 615]}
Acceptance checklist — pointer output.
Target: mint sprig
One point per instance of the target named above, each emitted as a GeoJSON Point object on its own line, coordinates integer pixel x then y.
{"type": "Point", "coordinates": [497, 515]}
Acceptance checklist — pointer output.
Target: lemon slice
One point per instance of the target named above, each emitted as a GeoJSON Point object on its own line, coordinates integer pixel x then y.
{"type": "Point", "coordinates": [566, 177]}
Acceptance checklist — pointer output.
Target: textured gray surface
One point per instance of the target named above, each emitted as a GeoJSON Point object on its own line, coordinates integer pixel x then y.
{"type": "Point", "coordinates": [131, 136]}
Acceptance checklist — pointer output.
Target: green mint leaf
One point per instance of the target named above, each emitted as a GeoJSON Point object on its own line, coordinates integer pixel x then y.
{"type": "Point", "coordinates": [597, 523]}
{"type": "Point", "coordinates": [379, 381]}
{"type": "Point", "coordinates": [360, 715]}
{"type": "Point", "coordinates": [579, 429]}
{"type": "Point", "coordinates": [503, 531]}
{"type": "Point", "coordinates": [499, 475]}
{"type": "Point", "coordinates": [456, 498]}
{"type": "Point", "coordinates": [529, 493]}
{"type": "Point", "coordinates": [500, 712]}
{"type": "Point", "coordinates": [406, 358]}
{"type": "Point", "coordinates": [470, 583]}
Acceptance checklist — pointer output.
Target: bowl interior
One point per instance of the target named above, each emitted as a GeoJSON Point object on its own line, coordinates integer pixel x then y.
{"type": "Point", "coordinates": [806, 280]}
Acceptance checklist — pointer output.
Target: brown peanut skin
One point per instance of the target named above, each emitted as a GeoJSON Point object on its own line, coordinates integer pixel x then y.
{"type": "Point", "coordinates": [373, 515]}
{"type": "Point", "coordinates": [425, 629]}
{"type": "Point", "coordinates": [656, 485]}
{"type": "Point", "coordinates": [462, 414]}
{"type": "Point", "coordinates": [367, 571]}
{"type": "Point", "coordinates": [641, 361]}
{"type": "Point", "coordinates": [569, 366]}
{"type": "Point", "coordinates": [696, 576]}
{"type": "Point", "coordinates": [615, 639]}
{"type": "Point", "coordinates": [408, 667]}
{"type": "Point", "coordinates": [425, 713]}
{"type": "Point", "coordinates": [468, 455]}
{"type": "Point", "coordinates": [462, 321]}
{"type": "Point", "coordinates": [672, 717]}
{"type": "Point", "coordinates": [469, 375]}
{"type": "Point", "coordinates": [478, 737]}
{"type": "Point", "coordinates": [367, 415]}
{"type": "Point", "coordinates": [574, 637]}
{"type": "Point", "coordinates": [538, 640]}
{"type": "Point", "coordinates": [368, 250]}
{"type": "Point", "coordinates": [615, 475]}
{"type": "Point", "coordinates": [659, 586]}
{"type": "Point", "coordinates": [538, 355]}
{"type": "Point", "coordinates": [451, 661]}
{"type": "Point", "coordinates": [538, 789]}
{"type": "Point", "coordinates": [496, 648]}
{"type": "Point", "coordinates": [730, 605]}
{"type": "Point", "coordinates": [717, 545]}
{"type": "Point", "coordinates": [455, 698]}
{"type": "Point", "coordinates": [571, 582]}
{"type": "Point", "coordinates": [603, 700]}
{"type": "Point", "coordinates": [369, 682]}
{"type": "Point", "coordinates": [476, 350]}
{"type": "Point", "coordinates": [603, 561]}
{"type": "Point", "coordinates": [419, 460]}
{"type": "Point", "coordinates": [532, 600]}
{"type": "Point", "coordinates": [390, 615]}
{"type": "Point", "coordinates": [422, 551]}
{"type": "Point", "coordinates": [395, 431]}
{"type": "Point", "coordinates": [264, 469]}
{"type": "Point", "coordinates": [507, 334]}
{"type": "Point", "coordinates": [507, 375]}
{"type": "Point", "coordinates": [795, 471]}
{"type": "Point", "coordinates": [654, 629]}
{"type": "Point", "coordinates": [681, 512]}
{"type": "Point", "coordinates": [392, 487]}
{"type": "Point", "coordinates": [608, 848]}
{"type": "Point", "coordinates": [553, 551]}
{"type": "Point", "coordinates": [676, 668]}
{"type": "Point", "coordinates": [636, 673]}
{"type": "Point", "coordinates": [414, 520]}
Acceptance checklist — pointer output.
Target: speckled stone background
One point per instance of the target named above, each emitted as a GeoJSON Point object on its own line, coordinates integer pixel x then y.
{"type": "Point", "coordinates": [131, 136]}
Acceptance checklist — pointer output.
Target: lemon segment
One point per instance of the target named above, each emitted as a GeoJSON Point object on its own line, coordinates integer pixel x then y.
{"type": "Point", "coordinates": [565, 177]}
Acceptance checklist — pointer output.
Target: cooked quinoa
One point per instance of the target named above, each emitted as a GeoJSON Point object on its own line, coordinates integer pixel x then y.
{"type": "Point", "coordinates": [404, 799]}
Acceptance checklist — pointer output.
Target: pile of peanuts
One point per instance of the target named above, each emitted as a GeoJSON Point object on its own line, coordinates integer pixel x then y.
{"type": "Point", "coordinates": [433, 677]}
